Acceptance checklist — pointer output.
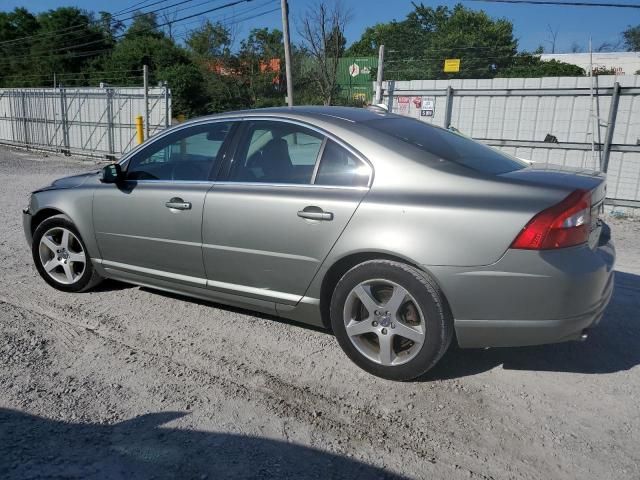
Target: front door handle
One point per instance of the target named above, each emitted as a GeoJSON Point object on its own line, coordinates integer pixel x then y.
{"type": "Point", "coordinates": [177, 203]}
{"type": "Point", "coordinates": [315, 213]}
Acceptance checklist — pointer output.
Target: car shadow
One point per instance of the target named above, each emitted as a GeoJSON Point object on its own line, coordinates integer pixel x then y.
{"type": "Point", "coordinates": [612, 346]}
{"type": "Point", "coordinates": [36, 447]}
{"type": "Point", "coordinates": [229, 308]}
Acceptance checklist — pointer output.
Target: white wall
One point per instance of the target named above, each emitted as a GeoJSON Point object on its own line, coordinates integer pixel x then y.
{"type": "Point", "coordinates": [624, 63]}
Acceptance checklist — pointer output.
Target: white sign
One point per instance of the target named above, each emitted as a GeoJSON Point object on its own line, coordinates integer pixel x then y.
{"type": "Point", "coordinates": [354, 70]}
{"type": "Point", "coordinates": [428, 107]}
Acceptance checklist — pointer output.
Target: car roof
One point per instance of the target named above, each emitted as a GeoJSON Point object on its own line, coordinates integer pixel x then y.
{"type": "Point", "coordinates": [348, 114]}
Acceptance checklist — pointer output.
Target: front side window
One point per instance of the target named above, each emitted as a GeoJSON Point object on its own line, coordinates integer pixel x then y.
{"type": "Point", "coordinates": [190, 154]}
{"type": "Point", "coordinates": [276, 152]}
{"type": "Point", "coordinates": [340, 168]}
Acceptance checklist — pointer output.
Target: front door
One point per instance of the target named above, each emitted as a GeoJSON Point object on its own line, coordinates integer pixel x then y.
{"type": "Point", "coordinates": [288, 197]}
{"type": "Point", "coordinates": [151, 224]}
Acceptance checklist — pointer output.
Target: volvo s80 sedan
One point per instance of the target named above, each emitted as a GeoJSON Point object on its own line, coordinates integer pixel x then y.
{"type": "Point", "coordinates": [397, 235]}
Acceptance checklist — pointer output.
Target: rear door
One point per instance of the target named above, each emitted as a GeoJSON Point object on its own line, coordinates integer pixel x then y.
{"type": "Point", "coordinates": [288, 196]}
{"type": "Point", "coordinates": [151, 224]}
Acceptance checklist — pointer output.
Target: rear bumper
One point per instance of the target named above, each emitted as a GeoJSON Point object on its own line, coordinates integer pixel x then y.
{"type": "Point", "coordinates": [528, 297]}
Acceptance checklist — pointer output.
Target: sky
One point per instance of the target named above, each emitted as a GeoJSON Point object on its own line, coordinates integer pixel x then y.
{"type": "Point", "coordinates": [574, 25]}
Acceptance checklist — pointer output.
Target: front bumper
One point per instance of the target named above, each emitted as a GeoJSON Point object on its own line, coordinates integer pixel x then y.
{"type": "Point", "coordinates": [530, 297]}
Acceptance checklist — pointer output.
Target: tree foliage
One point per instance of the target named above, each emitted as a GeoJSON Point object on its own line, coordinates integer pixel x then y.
{"type": "Point", "coordinates": [322, 30]}
{"type": "Point", "coordinates": [632, 38]}
{"type": "Point", "coordinates": [530, 65]}
{"type": "Point", "coordinates": [419, 44]}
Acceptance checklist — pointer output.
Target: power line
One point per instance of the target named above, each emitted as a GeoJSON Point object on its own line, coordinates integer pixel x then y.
{"type": "Point", "coordinates": [70, 55]}
{"type": "Point", "coordinates": [567, 4]}
{"type": "Point", "coordinates": [117, 37]}
{"type": "Point", "coordinates": [68, 30]}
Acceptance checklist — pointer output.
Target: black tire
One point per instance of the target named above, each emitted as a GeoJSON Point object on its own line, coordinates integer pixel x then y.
{"type": "Point", "coordinates": [429, 299]}
{"type": "Point", "coordinates": [89, 277]}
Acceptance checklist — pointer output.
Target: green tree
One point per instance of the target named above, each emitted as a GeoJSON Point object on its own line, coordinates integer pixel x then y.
{"type": "Point", "coordinates": [632, 38]}
{"type": "Point", "coordinates": [210, 40]}
{"type": "Point", "coordinates": [16, 30]}
{"type": "Point", "coordinates": [418, 45]}
{"type": "Point", "coordinates": [322, 30]}
{"type": "Point", "coordinates": [144, 24]}
{"type": "Point", "coordinates": [261, 58]}
{"type": "Point", "coordinates": [530, 65]}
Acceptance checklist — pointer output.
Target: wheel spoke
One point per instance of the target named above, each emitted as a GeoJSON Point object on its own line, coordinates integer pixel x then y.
{"type": "Point", "coordinates": [408, 332]}
{"type": "Point", "coordinates": [358, 328]}
{"type": "Point", "coordinates": [77, 257]}
{"type": "Point", "coordinates": [387, 355]}
{"type": "Point", "coordinates": [50, 244]}
{"type": "Point", "coordinates": [397, 299]}
{"type": "Point", "coordinates": [364, 294]}
{"type": "Point", "coordinates": [67, 272]}
{"type": "Point", "coordinates": [51, 264]}
{"type": "Point", "coordinates": [64, 243]}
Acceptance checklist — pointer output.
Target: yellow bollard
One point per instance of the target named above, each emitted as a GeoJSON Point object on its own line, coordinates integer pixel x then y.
{"type": "Point", "coordinates": [139, 130]}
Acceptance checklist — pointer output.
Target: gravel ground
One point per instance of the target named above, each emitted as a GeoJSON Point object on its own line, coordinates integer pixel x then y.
{"type": "Point", "coordinates": [127, 382]}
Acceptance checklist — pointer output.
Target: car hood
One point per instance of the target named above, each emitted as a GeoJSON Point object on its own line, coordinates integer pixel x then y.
{"type": "Point", "coordinates": [71, 181]}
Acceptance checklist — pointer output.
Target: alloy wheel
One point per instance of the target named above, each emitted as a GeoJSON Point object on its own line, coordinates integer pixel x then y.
{"type": "Point", "coordinates": [384, 322]}
{"type": "Point", "coordinates": [62, 256]}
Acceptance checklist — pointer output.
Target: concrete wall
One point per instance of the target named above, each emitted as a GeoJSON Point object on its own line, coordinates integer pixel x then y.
{"type": "Point", "coordinates": [624, 63]}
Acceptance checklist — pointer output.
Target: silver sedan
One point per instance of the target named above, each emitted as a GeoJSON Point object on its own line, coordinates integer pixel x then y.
{"type": "Point", "coordinates": [395, 234]}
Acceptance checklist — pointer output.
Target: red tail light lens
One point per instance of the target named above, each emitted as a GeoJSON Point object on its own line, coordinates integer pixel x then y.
{"type": "Point", "coordinates": [563, 225]}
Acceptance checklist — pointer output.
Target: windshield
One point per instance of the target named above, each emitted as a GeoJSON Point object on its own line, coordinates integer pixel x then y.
{"type": "Point", "coordinates": [447, 145]}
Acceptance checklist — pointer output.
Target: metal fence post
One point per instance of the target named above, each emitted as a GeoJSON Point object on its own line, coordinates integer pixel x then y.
{"type": "Point", "coordinates": [110, 139]}
{"type": "Point", "coordinates": [167, 114]}
{"type": "Point", "coordinates": [391, 85]}
{"type": "Point", "coordinates": [448, 107]}
{"type": "Point", "coordinates": [65, 125]}
{"type": "Point", "coordinates": [24, 118]}
{"type": "Point", "coordinates": [611, 125]}
{"type": "Point", "coordinates": [145, 79]}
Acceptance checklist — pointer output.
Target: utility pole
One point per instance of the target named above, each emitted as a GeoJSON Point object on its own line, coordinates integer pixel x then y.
{"type": "Point", "coordinates": [379, 76]}
{"type": "Point", "coordinates": [145, 80]}
{"type": "Point", "coordinates": [287, 50]}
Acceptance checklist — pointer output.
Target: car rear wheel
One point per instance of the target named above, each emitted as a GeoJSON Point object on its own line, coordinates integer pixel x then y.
{"type": "Point", "coordinates": [61, 257]}
{"type": "Point", "coordinates": [390, 319]}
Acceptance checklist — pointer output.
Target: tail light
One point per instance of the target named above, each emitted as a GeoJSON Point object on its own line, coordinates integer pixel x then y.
{"type": "Point", "coordinates": [563, 225]}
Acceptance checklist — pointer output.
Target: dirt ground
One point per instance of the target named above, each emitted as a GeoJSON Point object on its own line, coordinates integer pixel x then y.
{"type": "Point", "coordinates": [125, 382]}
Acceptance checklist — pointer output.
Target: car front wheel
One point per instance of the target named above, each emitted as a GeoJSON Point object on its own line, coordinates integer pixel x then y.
{"type": "Point", "coordinates": [391, 319]}
{"type": "Point", "coordinates": [61, 257]}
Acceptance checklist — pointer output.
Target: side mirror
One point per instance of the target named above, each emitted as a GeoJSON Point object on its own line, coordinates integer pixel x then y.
{"type": "Point", "coordinates": [112, 173]}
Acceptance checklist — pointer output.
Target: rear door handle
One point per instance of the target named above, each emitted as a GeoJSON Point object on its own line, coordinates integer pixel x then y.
{"type": "Point", "coordinates": [315, 213]}
{"type": "Point", "coordinates": [178, 204]}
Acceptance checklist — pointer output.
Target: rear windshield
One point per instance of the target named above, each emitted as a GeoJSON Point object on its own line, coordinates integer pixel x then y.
{"type": "Point", "coordinates": [447, 145]}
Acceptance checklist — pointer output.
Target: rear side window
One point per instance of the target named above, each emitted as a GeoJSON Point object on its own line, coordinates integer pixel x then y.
{"type": "Point", "coordinates": [340, 168]}
{"type": "Point", "coordinates": [276, 152]}
{"type": "Point", "coordinates": [447, 145]}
